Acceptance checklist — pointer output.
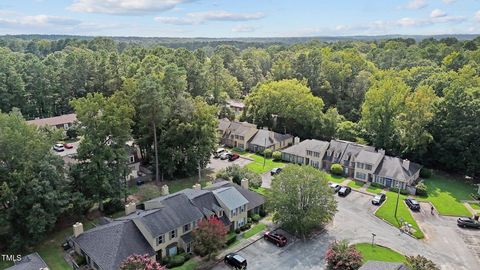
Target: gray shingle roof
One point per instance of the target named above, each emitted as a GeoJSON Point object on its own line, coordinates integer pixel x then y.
{"type": "Point", "coordinates": [223, 124]}
{"type": "Point", "coordinates": [230, 197]}
{"type": "Point", "coordinates": [266, 137]}
{"type": "Point", "coordinates": [300, 149]}
{"type": "Point", "coordinates": [254, 199]}
{"type": "Point", "coordinates": [377, 265]}
{"type": "Point", "coordinates": [353, 149]}
{"type": "Point", "coordinates": [392, 167]}
{"type": "Point", "coordinates": [29, 262]}
{"type": "Point", "coordinates": [240, 128]}
{"type": "Point", "coordinates": [370, 157]}
{"type": "Point", "coordinates": [109, 245]}
{"type": "Point", "coordinates": [175, 211]}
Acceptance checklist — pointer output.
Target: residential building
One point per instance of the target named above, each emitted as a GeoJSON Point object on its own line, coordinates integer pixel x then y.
{"type": "Point", "coordinates": [30, 262]}
{"type": "Point", "coordinates": [360, 162]}
{"type": "Point", "coordinates": [165, 224]}
{"type": "Point", "coordinates": [133, 160]}
{"type": "Point", "coordinates": [237, 106]}
{"type": "Point", "coordinates": [267, 139]}
{"type": "Point", "coordinates": [238, 134]}
{"type": "Point", "coordinates": [63, 121]}
{"type": "Point", "coordinates": [223, 125]}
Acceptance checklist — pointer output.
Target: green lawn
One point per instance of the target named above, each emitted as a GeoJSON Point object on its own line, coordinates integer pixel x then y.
{"type": "Point", "coordinates": [387, 212]}
{"type": "Point", "coordinates": [356, 184]}
{"type": "Point", "coordinates": [379, 253]}
{"type": "Point", "coordinates": [374, 190]}
{"type": "Point", "coordinates": [5, 264]}
{"type": "Point", "coordinates": [475, 206]}
{"type": "Point", "coordinates": [254, 230]}
{"type": "Point", "coordinates": [188, 265]}
{"type": "Point", "coordinates": [257, 164]}
{"type": "Point", "coordinates": [261, 190]}
{"type": "Point", "coordinates": [335, 178]}
{"type": "Point", "coordinates": [446, 194]}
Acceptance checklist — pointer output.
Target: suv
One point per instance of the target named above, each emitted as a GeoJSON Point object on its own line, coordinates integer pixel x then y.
{"type": "Point", "coordinates": [275, 171]}
{"type": "Point", "coordinates": [335, 187]}
{"type": "Point", "coordinates": [235, 260]}
{"type": "Point", "coordinates": [379, 198]}
{"type": "Point", "coordinates": [225, 155]}
{"type": "Point", "coordinates": [278, 239]}
{"type": "Point", "coordinates": [465, 222]}
{"type": "Point", "coordinates": [412, 204]}
{"type": "Point", "coordinates": [344, 191]}
{"type": "Point", "coordinates": [218, 152]}
{"type": "Point", "coordinates": [58, 147]}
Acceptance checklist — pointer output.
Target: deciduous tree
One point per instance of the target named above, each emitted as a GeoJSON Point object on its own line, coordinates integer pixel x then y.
{"type": "Point", "coordinates": [209, 236]}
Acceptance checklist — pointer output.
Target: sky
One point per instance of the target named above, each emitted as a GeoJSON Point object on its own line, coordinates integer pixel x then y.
{"type": "Point", "coordinates": [239, 18]}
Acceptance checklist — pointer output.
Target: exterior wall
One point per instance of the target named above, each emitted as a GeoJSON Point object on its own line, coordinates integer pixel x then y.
{"type": "Point", "coordinates": [274, 147]}
{"type": "Point", "coordinates": [293, 158]}
{"type": "Point", "coordinates": [237, 216]}
{"type": "Point", "coordinates": [134, 169]}
{"type": "Point", "coordinates": [359, 172]}
{"type": "Point", "coordinates": [389, 182]}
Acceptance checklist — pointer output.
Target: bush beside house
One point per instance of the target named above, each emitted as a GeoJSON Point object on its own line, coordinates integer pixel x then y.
{"type": "Point", "coordinates": [277, 155]}
{"type": "Point", "coordinates": [336, 169]}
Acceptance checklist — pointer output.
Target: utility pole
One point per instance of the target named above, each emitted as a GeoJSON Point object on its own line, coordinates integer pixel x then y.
{"type": "Point", "coordinates": [373, 238]}
{"type": "Point", "coordinates": [398, 197]}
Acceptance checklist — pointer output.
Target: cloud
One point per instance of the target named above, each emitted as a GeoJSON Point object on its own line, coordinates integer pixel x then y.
{"type": "Point", "coordinates": [416, 4]}
{"type": "Point", "coordinates": [125, 7]}
{"type": "Point", "coordinates": [437, 13]}
{"type": "Point", "coordinates": [242, 28]}
{"type": "Point", "coordinates": [448, 1]}
{"type": "Point", "coordinates": [477, 15]}
{"type": "Point", "coordinates": [202, 17]}
{"type": "Point", "coordinates": [38, 20]}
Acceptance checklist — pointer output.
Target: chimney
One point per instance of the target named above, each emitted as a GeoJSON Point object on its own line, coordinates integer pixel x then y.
{"type": "Point", "coordinates": [77, 229]}
{"type": "Point", "coordinates": [244, 183]}
{"type": "Point", "coordinates": [130, 208]}
{"type": "Point", "coordinates": [381, 151]}
{"type": "Point", "coordinates": [406, 164]}
{"type": "Point", "coordinates": [165, 190]}
{"type": "Point", "coordinates": [197, 187]}
{"type": "Point", "coordinates": [296, 140]}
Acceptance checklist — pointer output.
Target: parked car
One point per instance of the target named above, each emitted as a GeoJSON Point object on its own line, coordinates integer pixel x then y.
{"type": "Point", "coordinates": [465, 222]}
{"type": "Point", "coordinates": [335, 187]}
{"type": "Point", "coordinates": [379, 198]}
{"type": "Point", "coordinates": [275, 171]}
{"type": "Point", "coordinates": [234, 157]}
{"type": "Point", "coordinates": [278, 239]}
{"type": "Point", "coordinates": [68, 145]}
{"type": "Point", "coordinates": [219, 152]}
{"type": "Point", "coordinates": [344, 191]}
{"type": "Point", "coordinates": [235, 260]}
{"type": "Point", "coordinates": [225, 155]}
{"type": "Point", "coordinates": [58, 147]}
{"type": "Point", "coordinates": [412, 204]}
{"type": "Point", "coordinates": [140, 182]}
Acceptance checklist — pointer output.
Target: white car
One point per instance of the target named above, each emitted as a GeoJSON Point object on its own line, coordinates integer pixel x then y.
{"type": "Point", "coordinates": [219, 152]}
{"type": "Point", "coordinates": [225, 155]}
{"type": "Point", "coordinates": [58, 147]}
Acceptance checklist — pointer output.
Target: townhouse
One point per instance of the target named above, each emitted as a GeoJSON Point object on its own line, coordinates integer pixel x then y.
{"type": "Point", "coordinates": [360, 162]}
{"type": "Point", "coordinates": [162, 226]}
{"type": "Point", "coordinates": [246, 136]}
{"type": "Point", "coordinates": [63, 121]}
{"type": "Point", "coordinates": [29, 262]}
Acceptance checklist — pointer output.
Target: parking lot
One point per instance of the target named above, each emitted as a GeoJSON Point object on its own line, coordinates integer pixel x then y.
{"type": "Point", "coordinates": [448, 246]}
{"type": "Point", "coordinates": [69, 152]}
{"type": "Point", "coordinates": [217, 164]}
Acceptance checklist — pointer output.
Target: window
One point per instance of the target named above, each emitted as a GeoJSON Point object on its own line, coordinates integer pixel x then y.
{"type": "Point", "coordinates": [368, 167]}
{"type": "Point", "coordinates": [173, 234]}
{"type": "Point", "coordinates": [160, 239]}
{"type": "Point", "coordinates": [232, 213]}
{"type": "Point", "coordinates": [309, 153]}
{"type": "Point", "coordinates": [186, 227]}
{"type": "Point", "coordinates": [359, 165]}
{"type": "Point", "coordinates": [220, 213]}
{"type": "Point", "coordinates": [360, 175]}
{"type": "Point", "coordinates": [132, 159]}
{"type": "Point", "coordinates": [316, 154]}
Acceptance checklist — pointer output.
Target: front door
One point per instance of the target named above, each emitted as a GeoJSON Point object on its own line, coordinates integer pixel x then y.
{"type": "Point", "coordinates": [388, 182]}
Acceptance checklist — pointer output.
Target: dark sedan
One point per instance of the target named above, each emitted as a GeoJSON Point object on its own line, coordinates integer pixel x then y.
{"type": "Point", "coordinates": [275, 171]}
{"type": "Point", "coordinates": [466, 222]}
{"type": "Point", "coordinates": [235, 260]}
{"type": "Point", "coordinates": [278, 239]}
{"type": "Point", "coordinates": [344, 191]}
{"type": "Point", "coordinates": [412, 204]}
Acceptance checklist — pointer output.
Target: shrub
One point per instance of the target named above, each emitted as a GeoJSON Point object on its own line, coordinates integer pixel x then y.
{"type": "Point", "coordinates": [268, 153]}
{"type": "Point", "coordinates": [256, 218]}
{"type": "Point", "coordinates": [134, 262]}
{"type": "Point", "coordinates": [262, 212]}
{"type": "Point", "coordinates": [378, 185]}
{"type": "Point", "coordinates": [177, 260]}
{"type": "Point", "coordinates": [246, 227]}
{"type": "Point", "coordinates": [231, 237]}
{"type": "Point", "coordinates": [421, 189]}
{"type": "Point", "coordinates": [421, 263]}
{"type": "Point", "coordinates": [425, 173]}
{"type": "Point", "coordinates": [336, 169]}
{"type": "Point", "coordinates": [402, 191]}
{"type": "Point", "coordinates": [277, 155]}
{"type": "Point", "coordinates": [340, 255]}
{"type": "Point", "coordinates": [112, 206]}
{"type": "Point", "coordinates": [237, 173]}
{"type": "Point", "coordinates": [237, 230]}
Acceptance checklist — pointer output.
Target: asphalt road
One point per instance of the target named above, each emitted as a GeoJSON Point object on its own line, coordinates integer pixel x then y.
{"type": "Point", "coordinates": [448, 246]}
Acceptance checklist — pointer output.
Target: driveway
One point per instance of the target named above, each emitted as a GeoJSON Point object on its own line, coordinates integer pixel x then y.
{"type": "Point", "coordinates": [356, 222]}
{"type": "Point", "coordinates": [217, 164]}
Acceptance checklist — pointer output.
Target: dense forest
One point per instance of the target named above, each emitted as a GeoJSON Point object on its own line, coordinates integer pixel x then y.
{"type": "Point", "coordinates": [415, 99]}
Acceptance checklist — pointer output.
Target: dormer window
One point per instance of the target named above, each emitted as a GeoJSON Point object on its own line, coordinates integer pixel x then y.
{"type": "Point", "coordinates": [186, 227]}
{"type": "Point", "coordinates": [161, 239]}
{"type": "Point", "coordinates": [173, 234]}
{"type": "Point", "coordinates": [220, 213]}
